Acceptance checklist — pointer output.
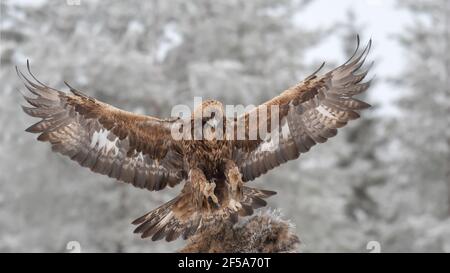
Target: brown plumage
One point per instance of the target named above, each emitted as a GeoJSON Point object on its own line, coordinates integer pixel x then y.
{"type": "Point", "coordinates": [142, 151]}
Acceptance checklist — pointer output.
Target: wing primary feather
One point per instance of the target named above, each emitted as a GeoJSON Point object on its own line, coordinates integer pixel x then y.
{"type": "Point", "coordinates": [75, 91]}
{"type": "Point", "coordinates": [358, 44]}
{"type": "Point", "coordinates": [315, 72]}
{"type": "Point", "coordinates": [41, 91]}
{"type": "Point", "coordinates": [361, 63]}
{"type": "Point", "coordinates": [362, 55]}
{"type": "Point", "coordinates": [38, 81]}
{"type": "Point", "coordinates": [31, 74]}
{"type": "Point", "coordinates": [26, 80]}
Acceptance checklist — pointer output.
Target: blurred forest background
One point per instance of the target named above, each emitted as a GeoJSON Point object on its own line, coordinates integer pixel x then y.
{"type": "Point", "coordinates": [385, 178]}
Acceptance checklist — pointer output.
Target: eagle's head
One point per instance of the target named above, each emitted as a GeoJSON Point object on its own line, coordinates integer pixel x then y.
{"type": "Point", "coordinates": [211, 114]}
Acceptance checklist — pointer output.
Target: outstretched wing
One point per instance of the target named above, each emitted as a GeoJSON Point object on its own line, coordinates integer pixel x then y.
{"type": "Point", "coordinates": [309, 113]}
{"type": "Point", "coordinates": [132, 148]}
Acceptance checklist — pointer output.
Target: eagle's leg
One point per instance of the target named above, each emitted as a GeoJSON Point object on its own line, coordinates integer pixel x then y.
{"type": "Point", "coordinates": [234, 179]}
{"type": "Point", "coordinates": [204, 189]}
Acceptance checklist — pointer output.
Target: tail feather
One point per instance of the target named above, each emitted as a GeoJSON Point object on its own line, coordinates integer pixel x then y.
{"type": "Point", "coordinates": [166, 221]}
{"type": "Point", "coordinates": [246, 210]}
{"type": "Point", "coordinates": [254, 199]}
{"type": "Point", "coordinates": [154, 214]}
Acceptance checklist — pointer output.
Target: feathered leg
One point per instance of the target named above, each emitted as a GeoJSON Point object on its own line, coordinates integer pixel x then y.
{"type": "Point", "coordinates": [235, 183]}
{"type": "Point", "coordinates": [203, 189]}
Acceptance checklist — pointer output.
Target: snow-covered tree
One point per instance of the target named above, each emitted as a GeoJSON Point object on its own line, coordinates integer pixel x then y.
{"type": "Point", "coordinates": [416, 199]}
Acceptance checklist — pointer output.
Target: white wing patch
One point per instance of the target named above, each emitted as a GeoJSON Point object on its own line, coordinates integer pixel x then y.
{"type": "Point", "coordinates": [285, 131]}
{"type": "Point", "coordinates": [166, 219]}
{"type": "Point", "coordinates": [324, 111]}
{"type": "Point", "coordinates": [272, 140]}
{"type": "Point", "coordinates": [101, 141]}
{"type": "Point", "coordinates": [268, 146]}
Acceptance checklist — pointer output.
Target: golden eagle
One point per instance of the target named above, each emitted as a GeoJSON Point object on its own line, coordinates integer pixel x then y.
{"type": "Point", "coordinates": [141, 150]}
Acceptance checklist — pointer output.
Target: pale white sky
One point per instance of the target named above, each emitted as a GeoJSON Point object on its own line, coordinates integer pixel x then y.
{"type": "Point", "coordinates": [382, 19]}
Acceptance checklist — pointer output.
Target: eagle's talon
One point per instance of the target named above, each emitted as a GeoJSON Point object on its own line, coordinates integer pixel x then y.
{"type": "Point", "coordinates": [234, 205]}
{"type": "Point", "coordinates": [208, 191]}
{"type": "Point", "coordinates": [215, 199]}
{"type": "Point", "coordinates": [216, 205]}
{"type": "Point", "coordinates": [234, 181]}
